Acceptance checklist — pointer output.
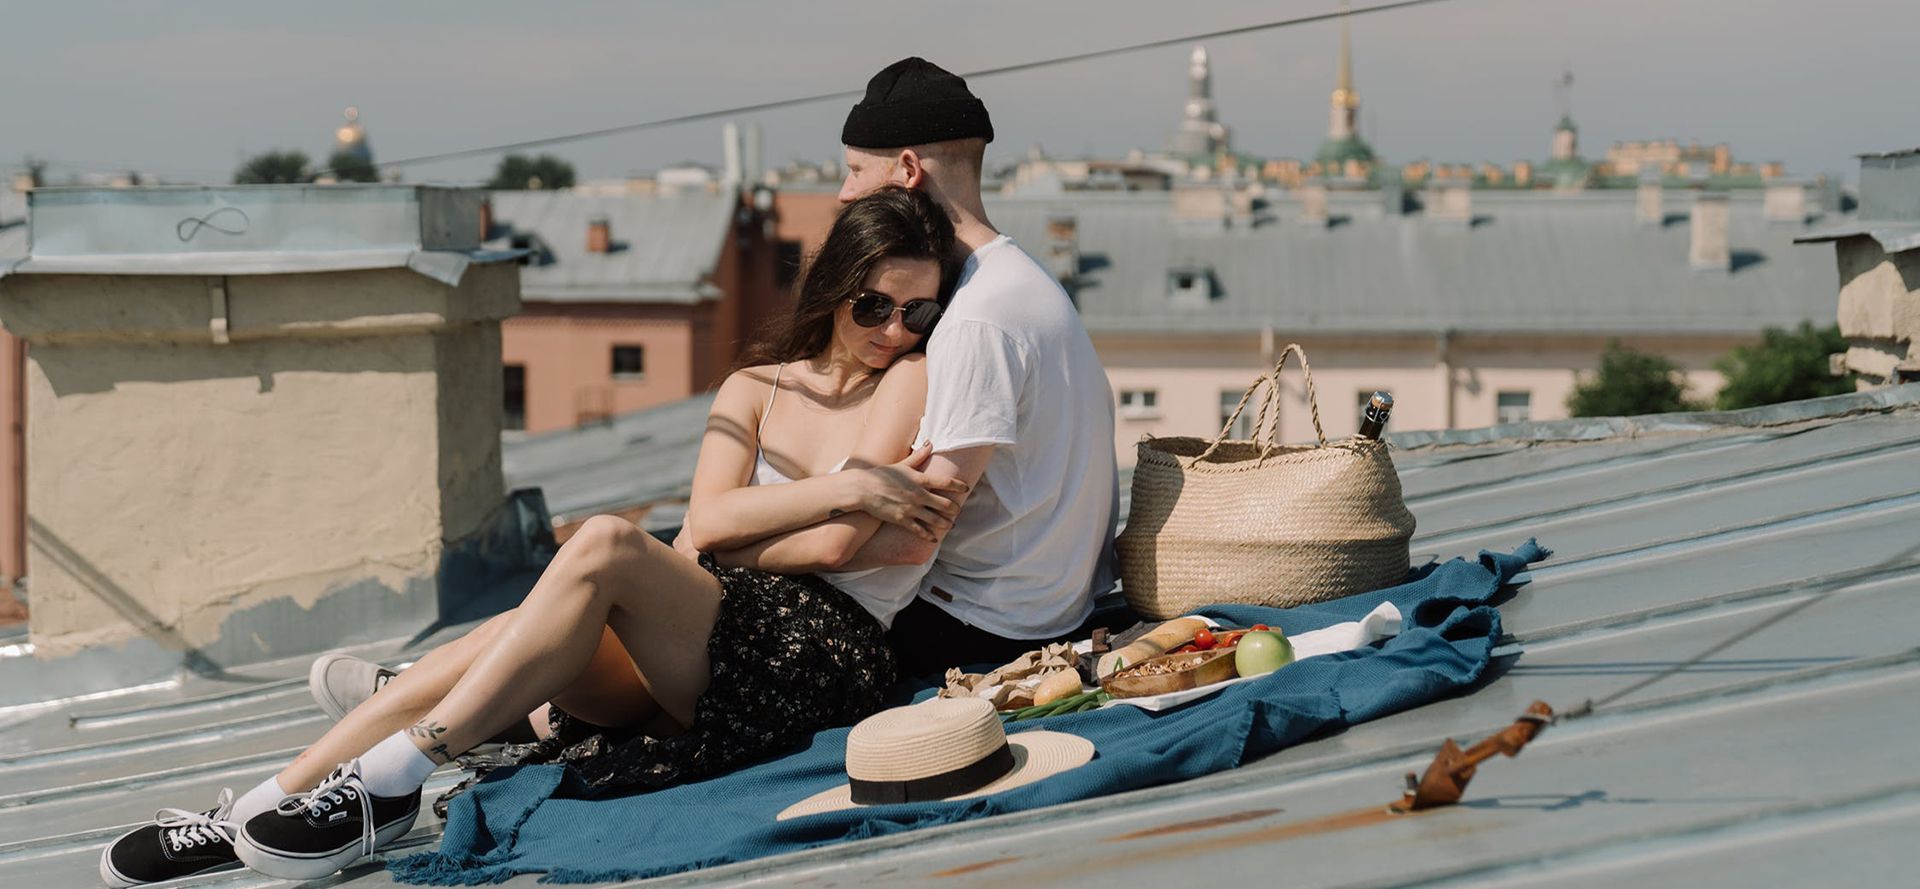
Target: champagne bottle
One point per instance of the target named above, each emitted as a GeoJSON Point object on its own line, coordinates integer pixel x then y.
{"type": "Point", "coordinates": [1374, 420]}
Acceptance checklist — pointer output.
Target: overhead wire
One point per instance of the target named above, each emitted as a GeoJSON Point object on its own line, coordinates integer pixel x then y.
{"type": "Point", "coordinates": [674, 120]}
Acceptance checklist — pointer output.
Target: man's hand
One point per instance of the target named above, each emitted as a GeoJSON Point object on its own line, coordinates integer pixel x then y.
{"type": "Point", "coordinates": [904, 494]}
{"type": "Point", "coordinates": [895, 545]}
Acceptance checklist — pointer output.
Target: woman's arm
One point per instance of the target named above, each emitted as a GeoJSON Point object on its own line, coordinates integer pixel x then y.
{"type": "Point", "coordinates": [886, 441]}
{"type": "Point", "coordinates": [725, 512]}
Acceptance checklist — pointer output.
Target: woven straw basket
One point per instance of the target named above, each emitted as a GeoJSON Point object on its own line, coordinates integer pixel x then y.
{"type": "Point", "coordinates": [1260, 523]}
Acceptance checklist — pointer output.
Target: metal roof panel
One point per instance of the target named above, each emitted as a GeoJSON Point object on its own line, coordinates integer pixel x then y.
{"type": "Point", "coordinates": [1732, 592]}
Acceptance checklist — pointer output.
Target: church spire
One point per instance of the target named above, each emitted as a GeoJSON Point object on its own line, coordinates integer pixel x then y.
{"type": "Point", "coordinates": [1344, 95]}
{"type": "Point", "coordinates": [1345, 154]}
{"type": "Point", "coordinates": [1201, 134]}
{"type": "Point", "coordinates": [1346, 102]}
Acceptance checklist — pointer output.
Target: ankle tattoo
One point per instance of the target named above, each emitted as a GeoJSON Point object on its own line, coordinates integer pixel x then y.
{"type": "Point", "coordinates": [428, 730]}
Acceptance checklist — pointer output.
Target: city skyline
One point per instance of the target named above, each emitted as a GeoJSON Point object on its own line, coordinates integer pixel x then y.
{"type": "Point", "coordinates": [191, 93]}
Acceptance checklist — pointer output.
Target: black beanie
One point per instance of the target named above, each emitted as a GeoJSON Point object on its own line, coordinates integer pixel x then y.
{"type": "Point", "coordinates": [914, 102]}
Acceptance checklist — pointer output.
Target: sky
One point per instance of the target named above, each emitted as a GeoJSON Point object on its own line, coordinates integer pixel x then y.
{"type": "Point", "coordinates": [185, 91]}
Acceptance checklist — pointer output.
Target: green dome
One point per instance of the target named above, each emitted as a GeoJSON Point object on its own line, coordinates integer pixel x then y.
{"type": "Point", "coordinates": [1339, 151]}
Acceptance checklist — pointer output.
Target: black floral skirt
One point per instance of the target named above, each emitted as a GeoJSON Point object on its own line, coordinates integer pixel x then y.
{"type": "Point", "coordinates": [790, 656]}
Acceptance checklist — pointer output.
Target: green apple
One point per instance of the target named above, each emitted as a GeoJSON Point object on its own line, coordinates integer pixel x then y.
{"type": "Point", "coordinates": [1261, 652]}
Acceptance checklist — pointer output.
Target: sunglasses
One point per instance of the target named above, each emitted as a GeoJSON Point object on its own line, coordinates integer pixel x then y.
{"type": "Point", "coordinates": [874, 309]}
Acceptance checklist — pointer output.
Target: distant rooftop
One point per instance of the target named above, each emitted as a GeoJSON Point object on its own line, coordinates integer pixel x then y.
{"type": "Point", "coordinates": [663, 247]}
{"type": "Point", "coordinates": [1527, 262]}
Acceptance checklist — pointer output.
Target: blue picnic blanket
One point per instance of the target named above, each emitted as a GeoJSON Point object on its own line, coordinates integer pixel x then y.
{"type": "Point", "coordinates": [534, 819]}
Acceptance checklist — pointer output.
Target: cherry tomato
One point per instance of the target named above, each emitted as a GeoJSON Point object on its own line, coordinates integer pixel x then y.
{"type": "Point", "coordinates": [1261, 627]}
{"type": "Point", "coordinates": [1204, 640]}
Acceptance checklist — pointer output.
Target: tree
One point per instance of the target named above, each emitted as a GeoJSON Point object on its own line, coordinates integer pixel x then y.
{"type": "Point", "coordinates": [350, 167]}
{"type": "Point", "coordinates": [517, 171]}
{"type": "Point", "coordinates": [274, 167]}
{"type": "Point", "coordinates": [1783, 366]}
{"type": "Point", "coordinates": [1630, 383]}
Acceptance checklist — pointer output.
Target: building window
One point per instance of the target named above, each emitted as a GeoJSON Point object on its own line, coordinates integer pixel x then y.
{"type": "Point", "coordinates": [1139, 404]}
{"type": "Point", "coordinates": [1243, 426]}
{"type": "Point", "coordinates": [786, 262]}
{"type": "Point", "coordinates": [629, 362]}
{"type": "Point", "coordinates": [1513, 407]}
{"type": "Point", "coordinates": [514, 413]}
{"type": "Point", "coordinates": [1190, 285]}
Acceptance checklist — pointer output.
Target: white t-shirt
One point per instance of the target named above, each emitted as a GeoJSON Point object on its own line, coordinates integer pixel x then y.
{"type": "Point", "coordinates": [1011, 366]}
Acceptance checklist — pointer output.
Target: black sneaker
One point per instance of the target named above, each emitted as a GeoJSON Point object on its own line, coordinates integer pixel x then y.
{"type": "Point", "coordinates": [177, 844]}
{"type": "Point", "coordinates": [325, 829]}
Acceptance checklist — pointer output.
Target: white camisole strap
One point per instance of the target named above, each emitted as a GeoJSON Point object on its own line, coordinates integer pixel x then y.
{"type": "Point", "coordinates": [767, 411]}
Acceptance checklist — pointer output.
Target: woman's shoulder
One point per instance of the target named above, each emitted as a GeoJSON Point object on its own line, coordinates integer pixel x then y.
{"type": "Point", "coordinates": [762, 375]}
{"type": "Point", "coordinates": [746, 386]}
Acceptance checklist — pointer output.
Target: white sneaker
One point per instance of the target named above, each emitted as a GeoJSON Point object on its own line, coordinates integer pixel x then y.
{"type": "Point", "coordinates": [341, 682]}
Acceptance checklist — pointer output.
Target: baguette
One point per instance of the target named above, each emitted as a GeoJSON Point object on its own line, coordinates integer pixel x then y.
{"type": "Point", "coordinates": [1056, 686]}
{"type": "Point", "coordinates": [1156, 642]}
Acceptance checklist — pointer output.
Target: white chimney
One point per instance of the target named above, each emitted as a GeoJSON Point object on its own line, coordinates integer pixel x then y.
{"type": "Point", "coordinates": [1452, 202]}
{"type": "Point", "coordinates": [730, 176]}
{"type": "Point", "coordinates": [1650, 202]}
{"type": "Point", "coordinates": [1709, 250]}
{"type": "Point", "coordinates": [1313, 205]}
{"type": "Point", "coordinates": [1785, 202]}
{"type": "Point", "coordinates": [1203, 203]}
{"type": "Point", "coordinates": [752, 159]}
{"type": "Point", "coordinates": [1063, 245]}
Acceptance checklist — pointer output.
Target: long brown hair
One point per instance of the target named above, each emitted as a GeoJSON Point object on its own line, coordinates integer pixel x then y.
{"type": "Point", "coordinates": [890, 222]}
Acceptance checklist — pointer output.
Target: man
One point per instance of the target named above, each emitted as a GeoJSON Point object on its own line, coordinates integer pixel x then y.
{"type": "Point", "coordinates": [1018, 405]}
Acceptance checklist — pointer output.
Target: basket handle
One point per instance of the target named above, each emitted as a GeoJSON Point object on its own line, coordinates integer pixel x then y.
{"type": "Point", "coordinates": [1313, 399]}
{"type": "Point", "coordinates": [1270, 403]}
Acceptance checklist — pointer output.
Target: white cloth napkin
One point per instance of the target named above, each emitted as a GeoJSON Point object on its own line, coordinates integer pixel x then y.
{"type": "Point", "coordinates": [1380, 623]}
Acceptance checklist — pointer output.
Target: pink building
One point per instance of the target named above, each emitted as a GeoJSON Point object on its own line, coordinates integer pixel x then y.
{"type": "Point", "coordinates": [631, 300]}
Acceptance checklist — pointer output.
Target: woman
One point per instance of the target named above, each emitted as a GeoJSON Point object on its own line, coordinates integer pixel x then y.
{"type": "Point", "coordinates": [695, 666]}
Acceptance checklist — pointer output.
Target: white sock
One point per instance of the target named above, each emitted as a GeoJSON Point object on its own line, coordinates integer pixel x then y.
{"type": "Point", "coordinates": [262, 798]}
{"type": "Point", "coordinates": [394, 767]}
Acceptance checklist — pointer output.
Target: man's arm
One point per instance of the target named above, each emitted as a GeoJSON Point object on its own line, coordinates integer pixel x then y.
{"type": "Point", "coordinates": [894, 545]}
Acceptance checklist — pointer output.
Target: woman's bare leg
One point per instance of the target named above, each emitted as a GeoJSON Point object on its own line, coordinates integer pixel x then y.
{"type": "Point", "coordinates": [609, 691]}
{"type": "Point", "coordinates": [610, 575]}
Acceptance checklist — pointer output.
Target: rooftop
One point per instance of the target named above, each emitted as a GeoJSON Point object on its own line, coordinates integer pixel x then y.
{"type": "Point", "coordinates": [1731, 593]}
{"type": "Point", "coordinates": [1526, 263]}
{"type": "Point", "coordinates": [663, 247]}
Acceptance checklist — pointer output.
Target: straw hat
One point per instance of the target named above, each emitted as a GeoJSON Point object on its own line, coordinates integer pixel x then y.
{"type": "Point", "coordinates": [941, 749]}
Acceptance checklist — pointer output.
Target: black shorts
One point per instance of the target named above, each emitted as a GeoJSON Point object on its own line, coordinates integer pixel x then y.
{"type": "Point", "coordinates": [926, 640]}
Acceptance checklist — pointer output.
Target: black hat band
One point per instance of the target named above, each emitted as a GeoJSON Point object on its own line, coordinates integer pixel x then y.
{"type": "Point", "coordinates": [965, 779]}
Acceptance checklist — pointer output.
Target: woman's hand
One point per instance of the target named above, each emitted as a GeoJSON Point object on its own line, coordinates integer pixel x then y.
{"type": "Point", "coordinates": [683, 543]}
{"type": "Point", "coordinates": [902, 494]}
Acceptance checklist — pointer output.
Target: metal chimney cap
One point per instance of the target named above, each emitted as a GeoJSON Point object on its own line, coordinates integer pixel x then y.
{"type": "Point", "coordinates": [1889, 203]}
{"type": "Point", "coordinates": [254, 230]}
